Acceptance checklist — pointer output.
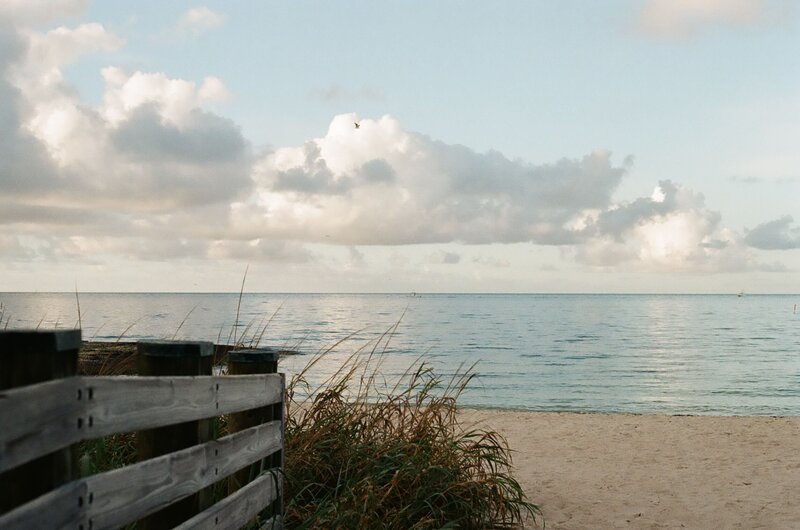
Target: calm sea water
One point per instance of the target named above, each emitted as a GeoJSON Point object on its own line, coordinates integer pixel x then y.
{"type": "Point", "coordinates": [674, 354]}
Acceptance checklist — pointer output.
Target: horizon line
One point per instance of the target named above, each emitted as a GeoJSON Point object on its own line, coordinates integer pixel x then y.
{"type": "Point", "coordinates": [420, 293]}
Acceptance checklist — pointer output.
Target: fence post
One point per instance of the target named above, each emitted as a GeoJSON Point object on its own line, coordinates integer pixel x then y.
{"type": "Point", "coordinates": [166, 358]}
{"type": "Point", "coordinates": [30, 357]}
{"type": "Point", "coordinates": [255, 361]}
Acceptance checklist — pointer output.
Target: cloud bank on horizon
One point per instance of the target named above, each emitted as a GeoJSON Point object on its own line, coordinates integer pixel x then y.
{"type": "Point", "coordinates": [153, 173]}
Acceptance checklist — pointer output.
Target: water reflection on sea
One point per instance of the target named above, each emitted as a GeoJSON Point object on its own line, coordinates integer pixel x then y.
{"type": "Point", "coordinates": [693, 354]}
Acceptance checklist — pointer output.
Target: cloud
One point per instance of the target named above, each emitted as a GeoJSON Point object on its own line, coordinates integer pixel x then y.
{"type": "Point", "coordinates": [355, 258]}
{"type": "Point", "coordinates": [274, 251]}
{"type": "Point", "coordinates": [152, 173]}
{"type": "Point", "coordinates": [380, 184]}
{"type": "Point", "coordinates": [149, 163]}
{"type": "Point", "coordinates": [190, 25]}
{"type": "Point", "coordinates": [745, 180]}
{"type": "Point", "coordinates": [492, 261]}
{"type": "Point", "coordinates": [38, 11]}
{"type": "Point", "coordinates": [165, 247]}
{"type": "Point", "coordinates": [149, 146]}
{"type": "Point", "coordinates": [63, 45]}
{"type": "Point", "coordinates": [12, 249]}
{"type": "Point", "coordinates": [761, 180]}
{"type": "Point", "coordinates": [24, 161]}
{"type": "Point", "coordinates": [444, 258]}
{"type": "Point", "coordinates": [199, 20]}
{"type": "Point", "coordinates": [176, 99]}
{"type": "Point", "coordinates": [775, 235]}
{"type": "Point", "coordinates": [672, 230]}
{"type": "Point", "coordinates": [681, 18]}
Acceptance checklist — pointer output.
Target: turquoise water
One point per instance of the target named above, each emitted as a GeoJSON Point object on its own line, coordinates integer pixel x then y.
{"type": "Point", "coordinates": [674, 354]}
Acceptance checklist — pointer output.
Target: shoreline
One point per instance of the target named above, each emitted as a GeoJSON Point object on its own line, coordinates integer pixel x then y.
{"type": "Point", "coordinates": [487, 408]}
{"type": "Point", "coordinates": [609, 470]}
{"type": "Point", "coordinates": [620, 470]}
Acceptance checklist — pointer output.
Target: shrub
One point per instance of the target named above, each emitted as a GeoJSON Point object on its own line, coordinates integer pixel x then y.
{"type": "Point", "coordinates": [365, 455]}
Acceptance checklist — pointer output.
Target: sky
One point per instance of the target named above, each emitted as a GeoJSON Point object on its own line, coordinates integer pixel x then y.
{"type": "Point", "coordinates": [514, 146]}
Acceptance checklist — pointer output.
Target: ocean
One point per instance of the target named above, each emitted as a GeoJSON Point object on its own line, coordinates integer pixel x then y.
{"type": "Point", "coordinates": [665, 354]}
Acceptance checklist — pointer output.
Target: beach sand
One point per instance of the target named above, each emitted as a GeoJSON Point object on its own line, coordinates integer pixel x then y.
{"type": "Point", "coordinates": [604, 471]}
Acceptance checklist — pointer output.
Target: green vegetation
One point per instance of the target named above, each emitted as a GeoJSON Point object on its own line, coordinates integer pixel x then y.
{"type": "Point", "coordinates": [361, 455]}
{"type": "Point", "coordinates": [105, 454]}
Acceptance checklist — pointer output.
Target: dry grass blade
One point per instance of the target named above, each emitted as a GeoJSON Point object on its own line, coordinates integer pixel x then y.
{"type": "Point", "coordinates": [238, 308]}
{"type": "Point", "coordinates": [266, 325]}
{"type": "Point", "coordinates": [78, 302]}
{"type": "Point", "coordinates": [126, 330]}
{"type": "Point", "coordinates": [396, 458]}
{"type": "Point", "coordinates": [184, 321]}
{"type": "Point", "coordinates": [97, 331]}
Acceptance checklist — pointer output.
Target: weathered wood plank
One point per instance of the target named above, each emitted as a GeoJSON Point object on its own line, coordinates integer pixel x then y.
{"type": "Point", "coordinates": [173, 358]}
{"type": "Point", "coordinates": [127, 494]}
{"type": "Point", "coordinates": [235, 510]}
{"type": "Point", "coordinates": [28, 358]}
{"type": "Point", "coordinates": [248, 362]}
{"type": "Point", "coordinates": [61, 508]}
{"type": "Point", "coordinates": [124, 404]}
{"type": "Point", "coordinates": [38, 419]}
{"type": "Point", "coordinates": [121, 496]}
{"type": "Point", "coordinates": [60, 413]}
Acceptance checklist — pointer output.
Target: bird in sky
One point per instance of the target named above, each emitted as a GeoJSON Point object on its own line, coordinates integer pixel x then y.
{"type": "Point", "coordinates": [358, 125]}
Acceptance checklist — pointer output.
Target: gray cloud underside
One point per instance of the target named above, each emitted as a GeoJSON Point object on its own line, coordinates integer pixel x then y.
{"type": "Point", "coordinates": [143, 163]}
{"type": "Point", "coordinates": [775, 235]}
{"type": "Point", "coordinates": [24, 162]}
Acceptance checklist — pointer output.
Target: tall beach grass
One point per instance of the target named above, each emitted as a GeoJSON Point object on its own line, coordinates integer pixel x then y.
{"type": "Point", "coordinates": [362, 452]}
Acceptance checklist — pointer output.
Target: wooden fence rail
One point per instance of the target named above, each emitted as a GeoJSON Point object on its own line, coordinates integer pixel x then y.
{"type": "Point", "coordinates": [66, 411]}
{"type": "Point", "coordinates": [43, 418]}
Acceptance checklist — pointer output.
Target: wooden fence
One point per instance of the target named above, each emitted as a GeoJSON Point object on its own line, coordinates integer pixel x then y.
{"type": "Point", "coordinates": [174, 405]}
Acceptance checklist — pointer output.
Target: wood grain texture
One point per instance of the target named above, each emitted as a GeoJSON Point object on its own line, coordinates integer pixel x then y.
{"type": "Point", "coordinates": [235, 510]}
{"type": "Point", "coordinates": [61, 508]}
{"type": "Point", "coordinates": [62, 412]}
{"type": "Point", "coordinates": [38, 419]}
{"type": "Point", "coordinates": [121, 496]}
{"type": "Point", "coordinates": [29, 358]}
{"type": "Point", "coordinates": [248, 362]}
{"type": "Point", "coordinates": [127, 494]}
{"type": "Point", "coordinates": [162, 359]}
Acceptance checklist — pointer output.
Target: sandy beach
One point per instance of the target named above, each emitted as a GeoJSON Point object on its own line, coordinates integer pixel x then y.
{"type": "Point", "coordinates": [603, 471]}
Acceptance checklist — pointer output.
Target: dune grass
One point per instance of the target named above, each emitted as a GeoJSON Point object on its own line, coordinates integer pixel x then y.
{"type": "Point", "coordinates": [362, 453]}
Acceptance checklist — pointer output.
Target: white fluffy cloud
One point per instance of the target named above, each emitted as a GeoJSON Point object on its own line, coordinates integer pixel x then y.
{"type": "Point", "coordinates": [139, 175]}
{"type": "Point", "coordinates": [150, 146]}
{"type": "Point", "coordinates": [199, 20]}
{"type": "Point", "coordinates": [380, 184]}
{"type": "Point", "coordinates": [679, 18]}
{"type": "Point", "coordinates": [176, 99]}
{"type": "Point", "coordinates": [670, 230]}
{"type": "Point", "coordinates": [152, 174]}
